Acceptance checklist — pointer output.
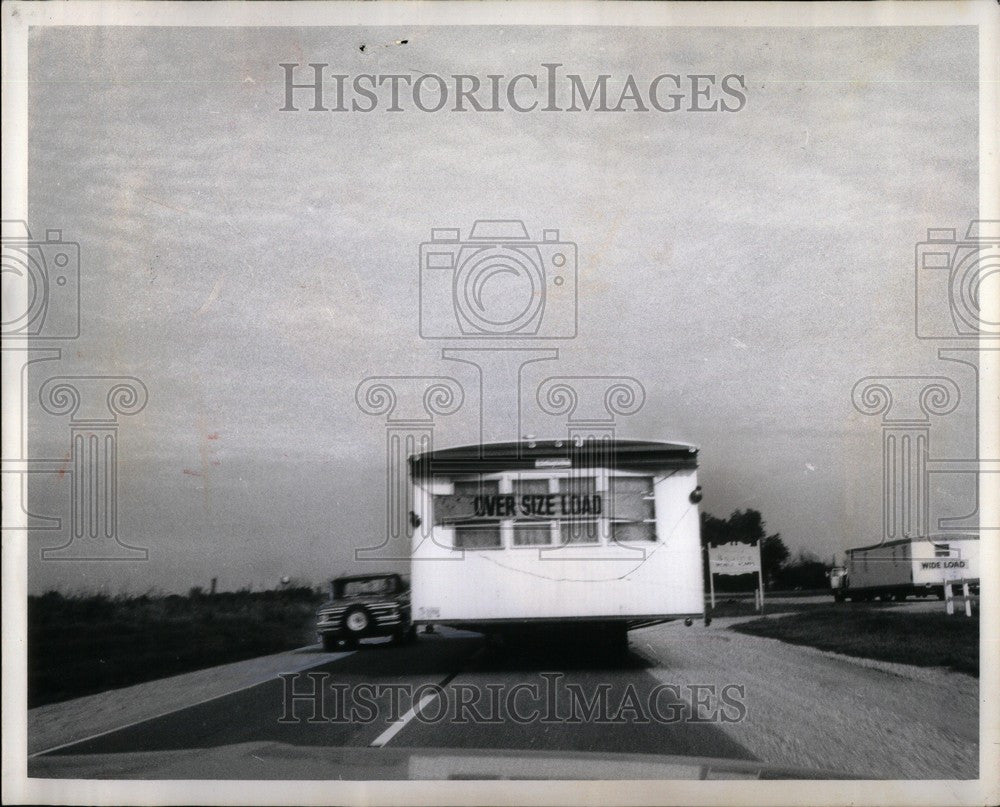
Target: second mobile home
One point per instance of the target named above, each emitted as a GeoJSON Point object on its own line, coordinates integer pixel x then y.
{"type": "Point", "coordinates": [919, 565]}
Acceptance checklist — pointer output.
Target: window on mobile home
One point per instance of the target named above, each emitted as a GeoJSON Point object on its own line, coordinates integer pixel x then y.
{"type": "Point", "coordinates": [633, 516]}
{"type": "Point", "coordinates": [477, 534]}
{"type": "Point", "coordinates": [578, 529]}
{"type": "Point", "coordinates": [531, 532]}
{"type": "Point", "coordinates": [942, 551]}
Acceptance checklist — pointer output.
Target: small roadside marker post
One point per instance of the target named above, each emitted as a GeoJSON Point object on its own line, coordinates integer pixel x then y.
{"type": "Point", "coordinates": [711, 578]}
{"type": "Point", "coordinates": [760, 578]}
{"type": "Point", "coordinates": [949, 596]}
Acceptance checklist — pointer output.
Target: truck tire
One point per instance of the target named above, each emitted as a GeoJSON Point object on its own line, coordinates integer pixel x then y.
{"type": "Point", "coordinates": [330, 642]}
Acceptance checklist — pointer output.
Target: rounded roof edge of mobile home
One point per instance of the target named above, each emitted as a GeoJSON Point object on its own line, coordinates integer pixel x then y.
{"type": "Point", "coordinates": [524, 454]}
{"type": "Point", "coordinates": [936, 537]}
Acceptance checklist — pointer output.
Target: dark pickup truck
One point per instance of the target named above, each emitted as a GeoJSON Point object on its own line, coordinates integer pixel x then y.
{"type": "Point", "coordinates": [363, 606]}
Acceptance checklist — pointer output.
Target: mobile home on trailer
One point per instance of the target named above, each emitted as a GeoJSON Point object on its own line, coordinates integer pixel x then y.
{"type": "Point", "coordinates": [919, 566]}
{"type": "Point", "coordinates": [510, 535]}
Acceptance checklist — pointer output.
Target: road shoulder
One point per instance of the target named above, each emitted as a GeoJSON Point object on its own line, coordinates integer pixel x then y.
{"type": "Point", "coordinates": [58, 724]}
{"type": "Point", "coordinates": [816, 709]}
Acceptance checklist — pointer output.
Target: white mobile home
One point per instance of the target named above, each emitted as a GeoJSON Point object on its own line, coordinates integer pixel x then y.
{"type": "Point", "coordinates": [919, 565]}
{"type": "Point", "coordinates": [552, 531]}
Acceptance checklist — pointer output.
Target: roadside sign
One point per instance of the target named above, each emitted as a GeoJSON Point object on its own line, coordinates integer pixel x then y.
{"type": "Point", "coordinates": [732, 559]}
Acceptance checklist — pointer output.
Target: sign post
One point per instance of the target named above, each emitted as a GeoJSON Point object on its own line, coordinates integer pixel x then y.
{"type": "Point", "coordinates": [760, 577]}
{"type": "Point", "coordinates": [711, 578]}
{"type": "Point", "coordinates": [736, 558]}
{"type": "Point", "coordinates": [952, 575]}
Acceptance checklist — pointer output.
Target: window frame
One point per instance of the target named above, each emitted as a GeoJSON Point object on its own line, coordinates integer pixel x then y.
{"type": "Point", "coordinates": [602, 485]}
{"type": "Point", "coordinates": [650, 497]}
{"type": "Point", "coordinates": [553, 524]}
{"type": "Point", "coordinates": [456, 528]}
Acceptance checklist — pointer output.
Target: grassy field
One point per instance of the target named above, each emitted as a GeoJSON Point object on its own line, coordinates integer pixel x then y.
{"type": "Point", "coordinates": [887, 634]}
{"type": "Point", "coordinates": [742, 605]}
{"type": "Point", "coordinates": [78, 645]}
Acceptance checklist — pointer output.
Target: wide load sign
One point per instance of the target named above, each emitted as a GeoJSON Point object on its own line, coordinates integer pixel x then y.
{"type": "Point", "coordinates": [950, 568]}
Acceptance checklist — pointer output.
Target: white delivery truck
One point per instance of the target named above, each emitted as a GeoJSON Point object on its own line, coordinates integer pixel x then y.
{"type": "Point", "coordinates": [919, 565]}
{"type": "Point", "coordinates": [508, 536]}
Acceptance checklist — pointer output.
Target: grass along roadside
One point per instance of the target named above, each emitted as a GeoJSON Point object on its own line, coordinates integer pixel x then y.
{"type": "Point", "coordinates": [731, 606]}
{"type": "Point", "coordinates": [921, 639]}
{"type": "Point", "coordinates": [80, 645]}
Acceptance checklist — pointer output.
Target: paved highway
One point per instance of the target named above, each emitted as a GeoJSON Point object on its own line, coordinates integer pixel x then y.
{"type": "Point", "coordinates": [496, 715]}
{"type": "Point", "coordinates": [679, 693]}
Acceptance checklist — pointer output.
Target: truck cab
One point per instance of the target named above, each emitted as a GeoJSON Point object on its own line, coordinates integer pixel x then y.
{"type": "Point", "coordinates": [363, 606]}
{"type": "Point", "coordinates": [838, 582]}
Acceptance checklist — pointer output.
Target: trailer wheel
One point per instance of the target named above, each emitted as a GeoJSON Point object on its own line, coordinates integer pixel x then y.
{"type": "Point", "coordinates": [617, 638]}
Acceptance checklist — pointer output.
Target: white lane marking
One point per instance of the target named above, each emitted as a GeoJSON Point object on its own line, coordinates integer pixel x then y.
{"type": "Point", "coordinates": [315, 663]}
{"type": "Point", "coordinates": [397, 727]}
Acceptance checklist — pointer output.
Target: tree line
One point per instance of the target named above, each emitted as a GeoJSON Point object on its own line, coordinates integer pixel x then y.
{"type": "Point", "coordinates": [780, 569]}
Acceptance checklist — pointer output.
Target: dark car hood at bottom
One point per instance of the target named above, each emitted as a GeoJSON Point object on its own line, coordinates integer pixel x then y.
{"type": "Point", "coordinates": [268, 760]}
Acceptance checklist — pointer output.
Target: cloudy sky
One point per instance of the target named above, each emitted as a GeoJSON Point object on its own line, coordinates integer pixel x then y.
{"type": "Point", "coordinates": [252, 266]}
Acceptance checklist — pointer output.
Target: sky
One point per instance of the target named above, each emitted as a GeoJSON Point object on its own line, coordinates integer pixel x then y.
{"type": "Point", "coordinates": [253, 266]}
